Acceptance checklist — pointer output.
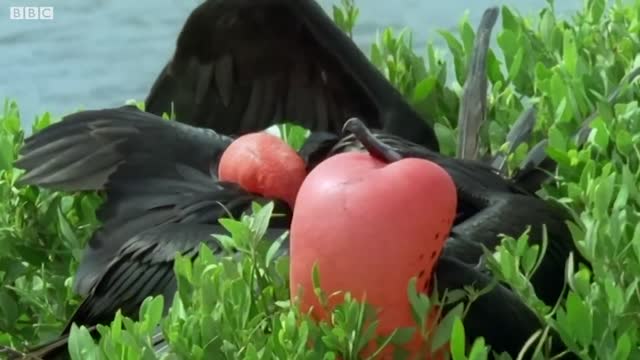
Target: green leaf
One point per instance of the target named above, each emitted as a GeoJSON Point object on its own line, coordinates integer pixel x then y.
{"type": "Point", "coordinates": [570, 53]}
{"type": "Point", "coordinates": [423, 89]}
{"type": "Point", "coordinates": [6, 153]}
{"type": "Point", "coordinates": [600, 134]}
{"type": "Point", "coordinates": [8, 308]}
{"type": "Point", "coordinates": [478, 350]}
{"type": "Point", "coordinates": [402, 336]}
{"type": "Point", "coordinates": [604, 194]}
{"type": "Point", "coordinates": [547, 25]}
{"type": "Point", "coordinates": [508, 41]}
{"type": "Point", "coordinates": [467, 34]}
{"type": "Point", "coordinates": [261, 220]}
{"type": "Point", "coordinates": [615, 296]}
{"type": "Point", "coordinates": [445, 327]}
{"type": "Point", "coordinates": [557, 140]}
{"type": "Point", "coordinates": [596, 10]}
{"type": "Point", "coordinates": [458, 340]}
{"type": "Point", "coordinates": [514, 69]}
{"type": "Point", "coordinates": [420, 304]}
{"type": "Point", "coordinates": [580, 319]}
{"type": "Point", "coordinates": [624, 142]}
{"type": "Point", "coordinates": [509, 20]}
{"type": "Point", "coordinates": [151, 311]}
{"type": "Point", "coordinates": [623, 347]}
{"type": "Point", "coordinates": [494, 70]}
{"type": "Point", "coordinates": [457, 50]}
{"type": "Point", "coordinates": [315, 279]}
{"type": "Point", "coordinates": [81, 344]}
{"type": "Point", "coordinates": [65, 228]}
{"type": "Point", "coordinates": [274, 247]}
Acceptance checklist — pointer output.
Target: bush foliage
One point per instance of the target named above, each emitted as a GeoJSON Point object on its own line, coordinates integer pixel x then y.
{"type": "Point", "coordinates": [571, 70]}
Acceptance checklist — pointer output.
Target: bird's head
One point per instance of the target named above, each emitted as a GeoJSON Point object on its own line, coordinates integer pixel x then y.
{"type": "Point", "coordinates": [263, 164]}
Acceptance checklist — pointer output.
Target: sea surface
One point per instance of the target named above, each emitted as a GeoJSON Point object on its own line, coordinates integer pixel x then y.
{"type": "Point", "coordinates": [99, 53]}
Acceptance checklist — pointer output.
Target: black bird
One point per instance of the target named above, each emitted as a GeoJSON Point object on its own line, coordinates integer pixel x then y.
{"type": "Point", "coordinates": [242, 65]}
{"type": "Point", "coordinates": [488, 205]}
{"type": "Point", "coordinates": [162, 197]}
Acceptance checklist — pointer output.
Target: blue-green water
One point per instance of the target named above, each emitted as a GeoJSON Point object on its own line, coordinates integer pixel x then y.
{"type": "Point", "coordinates": [99, 53]}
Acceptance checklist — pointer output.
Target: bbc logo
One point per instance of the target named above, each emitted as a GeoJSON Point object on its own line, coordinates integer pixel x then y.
{"type": "Point", "coordinates": [31, 12]}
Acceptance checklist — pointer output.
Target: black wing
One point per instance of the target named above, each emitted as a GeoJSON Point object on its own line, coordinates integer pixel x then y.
{"type": "Point", "coordinates": [148, 166]}
{"type": "Point", "coordinates": [144, 265]}
{"type": "Point", "coordinates": [243, 65]}
{"type": "Point", "coordinates": [498, 315]}
{"type": "Point", "coordinates": [85, 148]}
{"type": "Point", "coordinates": [511, 214]}
{"type": "Point", "coordinates": [180, 195]}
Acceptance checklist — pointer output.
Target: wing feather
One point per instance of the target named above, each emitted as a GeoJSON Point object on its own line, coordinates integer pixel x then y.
{"type": "Point", "coordinates": [242, 65]}
{"type": "Point", "coordinates": [83, 150]}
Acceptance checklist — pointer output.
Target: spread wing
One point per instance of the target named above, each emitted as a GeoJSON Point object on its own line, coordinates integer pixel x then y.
{"type": "Point", "coordinates": [498, 315]}
{"type": "Point", "coordinates": [83, 150]}
{"type": "Point", "coordinates": [144, 267]}
{"type": "Point", "coordinates": [242, 65]}
{"type": "Point", "coordinates": [152, 227]}
{"type": "Point", "coordinates": [154, 172]}
{"type": "Point", "coordinates": [511, 214]}
{"type": "Point", "coordinates": [135, 205]}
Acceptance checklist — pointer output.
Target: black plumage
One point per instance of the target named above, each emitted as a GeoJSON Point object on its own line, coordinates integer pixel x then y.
{"type": "Point", "coordinates": [242, 65]}
{"type": "Point", "coordinates": [498, 315]}
{"type": "Point", "coordinates": [81, 152]}
{"type": "Point", "coordinates": [121, 147]}
{"type": "Point", "coordinates": [162, 198]}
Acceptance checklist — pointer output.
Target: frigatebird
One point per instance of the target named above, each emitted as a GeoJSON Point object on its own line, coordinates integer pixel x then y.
{"type": "Point", "coordinates": [488, 205]}
{"type": "Point", "coordinates": [162, 199]}
{"type": "Point", "coordinates": [240, 66]}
